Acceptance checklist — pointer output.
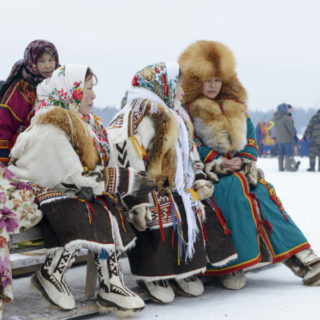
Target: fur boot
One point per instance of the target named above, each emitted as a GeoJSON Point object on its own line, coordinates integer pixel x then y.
{"type": "Point", "coordinates": [50, 281]}
{"type": "Point", "coordinates": [113, 294]}
{"type": "Point", "coordinates": [234, 280]}
{"type": "Point", "coordinates": [160, 291]}
{"type": "Point", "coordinates": [190, 287]}
{"type": "Point", "coordinates": [306, 265]}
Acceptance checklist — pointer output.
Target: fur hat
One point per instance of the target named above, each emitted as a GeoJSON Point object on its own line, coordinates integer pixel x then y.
{"type": "Point", "coordinates": [204, 60]}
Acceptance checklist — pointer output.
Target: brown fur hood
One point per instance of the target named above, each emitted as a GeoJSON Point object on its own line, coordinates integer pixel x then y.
{"type": "Point", "coordinates": [221, 125]}
{"type": "Point", "coordinates": [204, 60]}
{"type": "Point", "coordinates": [71, 123]}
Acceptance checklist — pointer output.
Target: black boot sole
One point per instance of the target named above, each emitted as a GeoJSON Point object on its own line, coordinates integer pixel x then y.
{"type": "Point", "coordinates": [112, 305]}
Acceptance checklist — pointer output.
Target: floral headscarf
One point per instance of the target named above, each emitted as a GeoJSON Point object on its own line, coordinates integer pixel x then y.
{"type": "Point", "coordinates": [23, 68]}
{"type": "Point", "coordinates": [65, 90]}
{"type": "Point", "coordinates": [160, 78]}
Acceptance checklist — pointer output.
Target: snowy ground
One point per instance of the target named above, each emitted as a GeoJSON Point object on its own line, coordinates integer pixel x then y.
{"type": "Point", "coordinates": [271, 293]}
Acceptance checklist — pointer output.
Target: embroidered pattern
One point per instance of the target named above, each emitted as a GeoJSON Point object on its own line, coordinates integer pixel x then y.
{"type": "Point", "coordinates": [273, 196]}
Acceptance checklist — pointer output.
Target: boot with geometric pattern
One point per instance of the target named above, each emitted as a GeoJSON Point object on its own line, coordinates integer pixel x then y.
{"type": "Point", "coordinates": [50, 281]}
{"type": "Point", "coordinates": [113, 294]}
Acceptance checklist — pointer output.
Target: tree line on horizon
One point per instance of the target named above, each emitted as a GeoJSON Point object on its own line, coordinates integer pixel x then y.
{"type": "Point", "coordinates": [301, 116]}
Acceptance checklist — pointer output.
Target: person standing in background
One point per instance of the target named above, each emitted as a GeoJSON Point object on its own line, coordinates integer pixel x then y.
{"type": "Point", "coordinates": [259, 136]}
{"type": "Point", "coordinates": [286, 135]}
{"type": "Point", "coordinates": [313, 133]}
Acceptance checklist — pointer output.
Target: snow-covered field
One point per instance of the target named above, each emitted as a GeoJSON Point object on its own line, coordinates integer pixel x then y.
{"type": "Point", "coordinates": [273, 293]}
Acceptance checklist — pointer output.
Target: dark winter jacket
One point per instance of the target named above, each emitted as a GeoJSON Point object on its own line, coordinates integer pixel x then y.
{"type": "Point", "coordinates": [313, 129]}
{"type": "Point", "coordinates": [284, 124]}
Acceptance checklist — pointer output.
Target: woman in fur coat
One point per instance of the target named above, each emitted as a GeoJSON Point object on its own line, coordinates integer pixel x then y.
{"type": "Point", "coordinates": [261, 228]}
{"type": "Point", "coordinates": [153, 133]}
{"type": "Point", "coordinates": [66, 150]}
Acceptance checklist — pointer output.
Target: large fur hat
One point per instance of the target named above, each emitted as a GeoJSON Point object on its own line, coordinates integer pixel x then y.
{"type": "Point", "coordinates": [204, 60]}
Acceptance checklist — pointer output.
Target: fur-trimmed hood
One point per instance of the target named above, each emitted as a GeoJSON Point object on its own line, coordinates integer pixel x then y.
{"type": "Point", "coordinates": [204, 60]}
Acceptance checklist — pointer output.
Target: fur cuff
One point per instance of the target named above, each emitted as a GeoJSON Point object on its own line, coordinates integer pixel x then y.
{"type": "Point", "coordinates": [213, 169]}
{"type": "Point", "coordinates": [250, 171]}
{"type": "Point", "coordinates": [198, 170]}
{"type": "Point", "coordinates": [203, 188]}
{"type": "Point", "coordinates": [140, 215]}
{"type": "Point", "coordinates": [91, 180]}
{"type": "Point", "coordinates": [128, 182]}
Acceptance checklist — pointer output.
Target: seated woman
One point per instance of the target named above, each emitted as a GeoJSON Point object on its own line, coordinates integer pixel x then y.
{"type": "Point", "coordinates": [67, 149]}
{"type": "Point", "coordinates": [153, 133]}
{"type": "Point", "coordinates": [18, 93]}
{"type": "Point", "coordinates": [261, 228]}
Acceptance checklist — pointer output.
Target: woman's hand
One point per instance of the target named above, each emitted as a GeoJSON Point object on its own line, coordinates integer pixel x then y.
{"type": "Point", "coordinates": [232, 165]}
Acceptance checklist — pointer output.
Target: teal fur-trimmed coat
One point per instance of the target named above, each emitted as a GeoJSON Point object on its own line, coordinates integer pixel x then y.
{"type": "Point", "coordinates": [261, 230]}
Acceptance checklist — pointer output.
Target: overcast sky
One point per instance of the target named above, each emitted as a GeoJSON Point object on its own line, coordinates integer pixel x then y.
{"type": "Point", "coordinates": [276, 42]}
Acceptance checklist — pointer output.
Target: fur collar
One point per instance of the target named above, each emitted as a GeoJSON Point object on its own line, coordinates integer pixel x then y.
{"type": "Point", "coordinates": [76, 129]}
{"type": "Point", "coordinates": [220, 125]}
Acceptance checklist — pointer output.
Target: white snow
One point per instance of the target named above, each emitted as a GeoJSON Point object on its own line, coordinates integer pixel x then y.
{"type": "Point", "coordinates": [272, 293]}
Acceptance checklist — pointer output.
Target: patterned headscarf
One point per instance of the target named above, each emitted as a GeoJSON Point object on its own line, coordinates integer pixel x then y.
{"type": "Point", "coordinates": [65, 90]}
{"type": "Point", "coordinates": [160, 78]}
{"type": "Point", "coordinates": [23, 68]}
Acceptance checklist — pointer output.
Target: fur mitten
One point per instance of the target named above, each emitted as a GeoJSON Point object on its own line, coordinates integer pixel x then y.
{"type": "Point", "coordinates": [250, 171]}
{"type": "Point", "coordinates": [139, 216]}
{"type": "Point", "coordinates": [213, 169]}
{"type": "Point", "coordinates": [131, 182]}
{"type": "Point", "coordinates": [91, 179]}
{"type": "Point", "coordinates": [203, 188]}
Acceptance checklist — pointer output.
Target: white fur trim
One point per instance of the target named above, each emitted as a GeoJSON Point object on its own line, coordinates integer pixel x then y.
{"type": "Point", "coordinates": [90, 245]}
{"type": "Point", "coordinates": [225, 261]}
{"type": "Point", "coordinates": [174, 276]}
{"type": "Point", "coordinates": [117, 236]}
{"type": "Point", "coordinates": [55, 199]}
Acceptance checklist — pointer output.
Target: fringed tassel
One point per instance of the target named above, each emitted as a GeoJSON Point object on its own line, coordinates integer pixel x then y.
{"type": "Point", "coordinates": [205, 236]}
{"type": "Point", "coordinates": [115, 204]}
{"type": "Point", "coordinates": [159, 215]}
{"type": "Point", "coordinates": [219, 215]}
{"type": "Point", "coordinates": [263, 221]}
{"type": "Point", "coordinates": [176, 227]}
{"type": "Point", "coordinates": [89, 208]}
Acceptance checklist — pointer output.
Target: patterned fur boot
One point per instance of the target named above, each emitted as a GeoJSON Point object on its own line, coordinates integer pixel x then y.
{"type": "Point", "coordinates": [113, 294]}
{"type": "Point", "coordinates": [50, 281]}
{"type": "Point", "coordinates": [160, 290]}
{"type": "Point", "coordinates": [306, 265]}
{"type": "Point", "coordinates": [190, 287]}
{"type": "Point", "coordinates": [234, 280]}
